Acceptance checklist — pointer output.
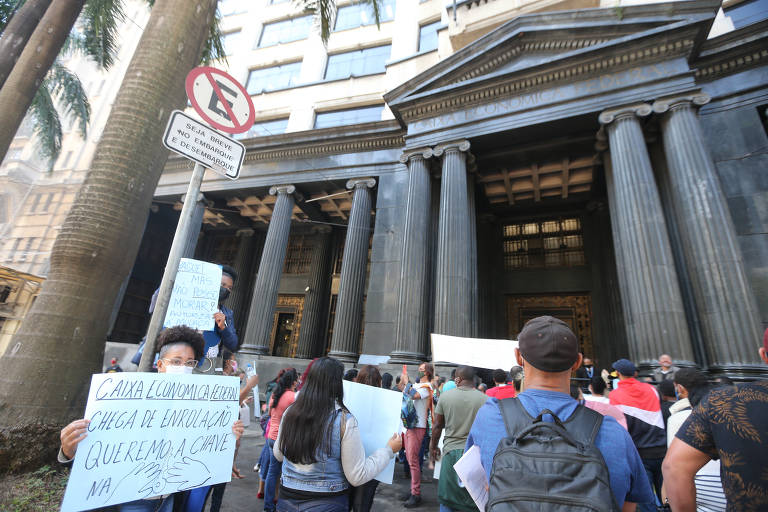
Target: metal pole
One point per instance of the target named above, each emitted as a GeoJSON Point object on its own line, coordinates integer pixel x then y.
{"type": "Point", "coordinates": [169, 275]}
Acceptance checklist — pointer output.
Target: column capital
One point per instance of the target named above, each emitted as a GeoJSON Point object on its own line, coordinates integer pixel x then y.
{"type": "Point", "coordinates": [282, 189]}
{"type": "Point", "coordinates": [458, 145]}
{"type": "Point", "coordinates": [423, 153]}
{"type": "Point", "coordinates": [633, 110]}
{"type": "Point", "coordinates": [601, 140]}
{"type": "Point", "coordinates": [663, 105]}
{"type": "Point", "coordinates": [361, 183]}
{"type": "Point", "coordinates": [244, 232]}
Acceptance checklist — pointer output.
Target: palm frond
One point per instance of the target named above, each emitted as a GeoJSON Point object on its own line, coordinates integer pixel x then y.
{"type": "Point", "coordinates": [66, 87]}
{"type": "Point", "coordinates": [376, 8]}
{"type": "Point", "coordinates": [214, 46]}
{"type": "Point", "coordinates": [100, 20]}
{"type": "Point", "coordinates": [47, 124]}
{"type": "Point", "coordinates": [324, 11]}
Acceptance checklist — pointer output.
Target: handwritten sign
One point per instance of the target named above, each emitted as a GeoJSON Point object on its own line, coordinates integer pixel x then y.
{"type": "Point", "coordinates": [153, 434]}
{"type": "Point", "coordinates": [481, 353]}
{"type": "Point", "coordinates": [195, 296]}
{"type": "Point", "coordinates": [377, 412]}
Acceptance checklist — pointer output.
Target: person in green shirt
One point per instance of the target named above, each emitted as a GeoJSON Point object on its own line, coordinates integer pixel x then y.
{"type": "Point", "coordinates": [455, 413]}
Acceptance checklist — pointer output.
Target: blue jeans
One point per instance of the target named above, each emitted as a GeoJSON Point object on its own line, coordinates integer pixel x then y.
{"type": "Point", "coordinates": [273, 477]}
{"type": "Point", "coordinates": [653, 470]}
{"type": "Point", "coordinates": [161, 505]}
{"type": "Point", "coordinates": [328, 504]}
{"type": "Point", "coordinates": [264, 461]}
{"type": "Point", "coordinates": [443, 508]}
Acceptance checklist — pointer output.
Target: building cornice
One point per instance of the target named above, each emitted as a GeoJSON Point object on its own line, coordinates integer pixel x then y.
{"type": "Point", "coordinates": [732, 52]}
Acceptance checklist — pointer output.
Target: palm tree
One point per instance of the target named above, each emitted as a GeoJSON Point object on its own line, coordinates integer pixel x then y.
{"type": "Point", "coordinates": [45, 374]}
{"type": "Point", "coordinates": [18, 23]}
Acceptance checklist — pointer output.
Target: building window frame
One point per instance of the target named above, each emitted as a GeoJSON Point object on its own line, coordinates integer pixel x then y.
{"type": "Point", "coordinates": [339, 60]}
{"type": "Point", "coordinates": [291, 69]}
{"type": "Point", "coordinates": [543, 243]}
{"type": "Point", "coordinates": [341, 112]}
{"type": "Point", "coordinates": [362, 12]}
{"type": "Point", "coordinates": [284, 38]}
{"type": "Point", "coordinates": [428, 25]}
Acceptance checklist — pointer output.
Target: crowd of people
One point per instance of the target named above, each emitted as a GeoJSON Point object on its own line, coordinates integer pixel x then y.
{"type": "Point", "coordinates": [552, 433]}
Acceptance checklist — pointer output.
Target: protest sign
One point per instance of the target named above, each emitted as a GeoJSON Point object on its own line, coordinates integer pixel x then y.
{"type": "Point", "coordinates": [371, 359]}
{"type": "Point", "coordinates": [471, 473]}
{"type": "Point", "coordinates": [195, 296]}
{"type": "Point", "coordinates": [153, 434]}
{"type": "Point", "coordinates": [476, 352]}
{"type": "Point", "coordinates": [378, 416]}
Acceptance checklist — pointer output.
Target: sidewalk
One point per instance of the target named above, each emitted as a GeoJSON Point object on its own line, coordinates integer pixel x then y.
{"type": "Point", "coordinates": [240, 495]}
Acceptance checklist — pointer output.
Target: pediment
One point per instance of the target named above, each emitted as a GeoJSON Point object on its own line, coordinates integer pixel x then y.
{"type": "Point", "coordinates": [544, 48]}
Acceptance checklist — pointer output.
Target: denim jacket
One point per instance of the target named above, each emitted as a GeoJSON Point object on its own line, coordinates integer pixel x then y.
{"type": "Point", "coordinates": [324, 476]}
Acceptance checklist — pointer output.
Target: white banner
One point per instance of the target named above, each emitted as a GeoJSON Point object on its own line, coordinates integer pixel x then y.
{"type": "Point", "coordinates": [195, 296]}
{"type": "Point", "coordinates": [153, 434]}
{"type": "Point", "coordinates": [476, 352]}
{"type": "Point", "coordinates": [377, 412]}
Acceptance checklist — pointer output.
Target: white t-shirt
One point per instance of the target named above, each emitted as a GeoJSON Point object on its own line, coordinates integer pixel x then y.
{"type": "Point", "coordinates": [424, 389]}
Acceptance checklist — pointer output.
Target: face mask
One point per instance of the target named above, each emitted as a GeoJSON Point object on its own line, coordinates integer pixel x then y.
{"type": "Point", "coordinates": [233, 364]}
{"type": "Point", "coordinates": [178, 369]}
{"type": "Point", "coordinates": [588, 367]}
{"type": "Point", "coordinates": [223, 293]}
{"type": "Point", "coordinates": [421, 375]}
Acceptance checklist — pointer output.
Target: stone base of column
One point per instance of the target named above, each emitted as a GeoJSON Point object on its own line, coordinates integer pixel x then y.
{"type": "Point", "coordinates": [406, 358]}
{"type": "Point", "coordinates": [347, 357]}
{"type": "Point", "coordinates": [253, 350]}
{"type": "Point", "coordinates": [739, 371]}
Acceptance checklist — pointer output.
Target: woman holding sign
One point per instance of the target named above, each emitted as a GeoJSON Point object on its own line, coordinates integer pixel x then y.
{"type": "Point", "coordinates": [320, 447]}
{"type": "Point", "coordinates": [180, 349]}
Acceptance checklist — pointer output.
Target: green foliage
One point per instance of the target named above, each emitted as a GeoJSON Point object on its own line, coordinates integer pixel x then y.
{"type": "Point", "coordinates": [325, 11]}
{"type": "Point", "coordinates": [100, 20]}
{"type": "Point", "coordinates": [214, 47]}
{"type": "Point", "coordinates": [63, 88]}
{"type": "Point", "coordinates": [39, 491]}
{"type": "Point", "coordinates": [7, 8]}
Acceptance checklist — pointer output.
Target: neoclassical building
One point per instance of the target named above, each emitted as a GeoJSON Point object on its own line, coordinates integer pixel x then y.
{"type": "Point", "coordinates": [608, 166]}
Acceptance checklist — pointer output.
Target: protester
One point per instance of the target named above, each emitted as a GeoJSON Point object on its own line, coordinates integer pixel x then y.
{"type": "Point", "coordinates": [691, 386]}
{"type": "Point", "coordinates": [180, 349]}
{"type": "Point", "coordinates": [584, 374]}
{"type": "Point", "coordinates": [451, 383]}
{"type": "Point", "coordinates": [603, 408]}
{"type": "Point", "coordinates": [264, 459]}
{"type": "Point", "coordinates": [421, 394]}
{"type": "Point", "coordinates": [666, 370]}
{"type": "Point", "coordinates": [223, 334]}
{"type": "Point", "coordinates": [319, 446]}
{"type": "Point", "coordinates": [503, 388]}
{"type": "Point", "coordinates": [113, 367]}
{"type": "Point", "coordinates": [729, 424]}
{"type": "Point", "coordinates": [455, 412]}
{"type": "Point", "coordinates": [516, 376]}
{"type": "Point", "coordinates": [549, 352]}
{"type": "Point", "coordinates": [666, 389]}
{"type": "Point", "coordinates": [362, 496]}
{"type": "Point", "coordinates": [386, 380]}
{"type": "Point", "coordinates": [303, 376]}
{"type": "Point", "coordinates": [598, 390]}
{"type": "Point", "coordinates": [482, 387]}
{"type": "Point", "coordinates": [283, 396]}
{"type": "Point", "coordinates": [640, 403]}
{"type": "Point", "coordinates": [350, 375]}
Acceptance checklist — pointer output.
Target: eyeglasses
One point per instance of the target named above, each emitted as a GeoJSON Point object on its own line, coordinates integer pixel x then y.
{"type": "Point", "coordinates": [191, 363]}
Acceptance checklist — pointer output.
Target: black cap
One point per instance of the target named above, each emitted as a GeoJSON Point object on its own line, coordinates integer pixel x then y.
{"type": "Point", "coordinates": [548, 344]}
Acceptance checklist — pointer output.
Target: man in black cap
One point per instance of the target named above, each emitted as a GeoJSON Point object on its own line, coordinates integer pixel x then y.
{"type": "Point", "coordinates": [548, 352]}
{"type": "Point", "coordinates": [640, 403]}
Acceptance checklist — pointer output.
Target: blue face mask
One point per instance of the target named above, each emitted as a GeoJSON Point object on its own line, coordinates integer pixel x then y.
{"type": "Point", "coordinates": [677, 397]}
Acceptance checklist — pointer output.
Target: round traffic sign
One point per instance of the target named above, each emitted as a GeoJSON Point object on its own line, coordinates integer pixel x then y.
{"type": "Point", "coordinates": [220, 100]}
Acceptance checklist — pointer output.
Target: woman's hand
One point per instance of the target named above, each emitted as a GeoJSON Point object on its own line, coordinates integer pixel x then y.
{"type": "Point", "coordinates": [395, 443]}
{"type": "Point", "coordinates": [71, 435]}
{"type": "Point", "coordinates": [237, 429]}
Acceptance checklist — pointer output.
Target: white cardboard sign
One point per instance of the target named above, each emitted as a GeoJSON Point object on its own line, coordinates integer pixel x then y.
{"type": "Point", "coordinates": [153, 434]}
{"type": "Point", "coordinates": [195, 295]}
{"type": "Point", "coordinates": [377, 412]}
{"type": "Point", "coordinates": [476, 352]}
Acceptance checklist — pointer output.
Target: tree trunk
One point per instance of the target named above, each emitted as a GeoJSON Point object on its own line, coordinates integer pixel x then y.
{"type": "Point", "coordinates": [45, 373]}
{"type": "Point", "coordinates": [17, 33]}
{"type": "Point", "coordinates": [36, 59]}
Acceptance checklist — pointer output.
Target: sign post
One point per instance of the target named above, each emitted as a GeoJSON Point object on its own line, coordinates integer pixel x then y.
{"type": "Point", "coordinates": [224, 103]}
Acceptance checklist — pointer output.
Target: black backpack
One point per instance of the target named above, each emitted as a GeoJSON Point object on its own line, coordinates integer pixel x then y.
{"type": "Point", "coordinates": [545, 466]}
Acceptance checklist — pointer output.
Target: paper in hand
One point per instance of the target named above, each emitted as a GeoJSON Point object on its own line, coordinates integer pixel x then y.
{"type": "Point", "coordinates": [472, 475]}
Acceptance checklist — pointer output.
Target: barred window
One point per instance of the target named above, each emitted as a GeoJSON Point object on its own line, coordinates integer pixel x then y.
{"type": "Point", "coordinates": [545, 243]}
{"type": "Point", "coordinates": [298, 255]}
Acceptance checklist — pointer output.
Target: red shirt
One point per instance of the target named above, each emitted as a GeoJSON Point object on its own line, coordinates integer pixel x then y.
{"type": "Point", "coordinates": [502, 391]}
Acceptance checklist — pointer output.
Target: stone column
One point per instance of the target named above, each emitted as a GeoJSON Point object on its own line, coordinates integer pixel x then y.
{"type": "Point", "coordinates": [349, 306]}
{"type": "Point", "coordinates": [653, 306]}
{"type": "Point", "coordinates": [260, 316]}
{"type": "Point", "coordinates": [453, 306]}
{"type": "Point", "coordinates": [197, 224]}
{"type": "Point", "coordinates": [724, 300]}
{"type": "Point", "coordinates": [316, 296]}
{"type": "Point", "coordinates": [241, 291]}
{"type": "Point", "coordinates": [473, 284]}
{"type": "Point", "coordinates": [413, 301]}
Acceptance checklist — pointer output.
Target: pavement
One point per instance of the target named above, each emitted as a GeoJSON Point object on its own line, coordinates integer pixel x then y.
{"type": "Point", "coordinates": [240, 495]}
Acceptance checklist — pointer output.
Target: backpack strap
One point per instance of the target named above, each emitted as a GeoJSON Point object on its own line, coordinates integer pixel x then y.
{"type": "Point", "coordinates": [516, 418]}
{"type": "Point", "coordinates": [584, 424]}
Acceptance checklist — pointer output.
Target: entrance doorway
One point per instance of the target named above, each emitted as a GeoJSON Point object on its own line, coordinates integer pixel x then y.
{"type": "Point", "coordinates": [286, 325]}
{"type": "Point", "coordinates": [574, 310]}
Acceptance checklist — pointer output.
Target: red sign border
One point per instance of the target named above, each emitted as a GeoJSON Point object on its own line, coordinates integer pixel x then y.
{"type": "Point", "coordinates": [208, 70]}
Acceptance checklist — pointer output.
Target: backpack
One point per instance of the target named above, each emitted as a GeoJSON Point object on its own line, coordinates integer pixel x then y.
{"type": "Point", "coordinates": [408, 410]}
{"type": "Point", "coordinates": [549, 466]}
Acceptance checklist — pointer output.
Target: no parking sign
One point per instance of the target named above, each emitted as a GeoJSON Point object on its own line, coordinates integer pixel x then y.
{"type": "Point", "coordinates": [220, 100]}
